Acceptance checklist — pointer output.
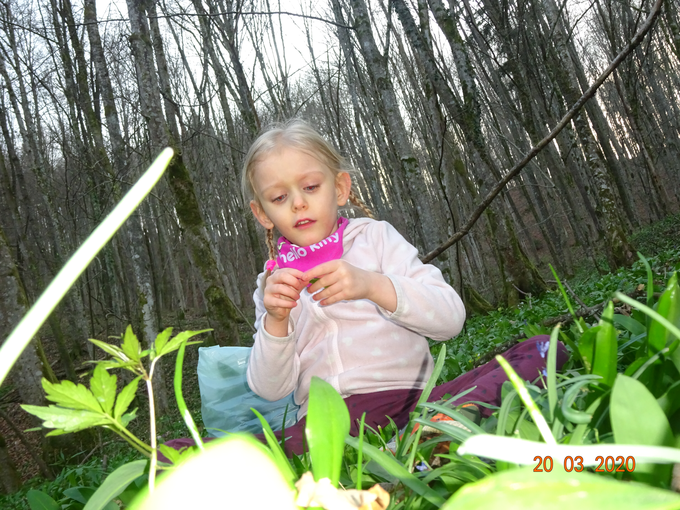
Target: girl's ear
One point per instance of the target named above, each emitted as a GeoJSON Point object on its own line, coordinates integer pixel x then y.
{"type": "Point", "coordinates": [343, 186]}
{"type": "Point", "coordinates": [261, 215]}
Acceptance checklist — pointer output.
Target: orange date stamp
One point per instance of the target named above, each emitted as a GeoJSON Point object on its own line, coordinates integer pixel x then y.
{"type": "Point", "coordinates": [607, 464]}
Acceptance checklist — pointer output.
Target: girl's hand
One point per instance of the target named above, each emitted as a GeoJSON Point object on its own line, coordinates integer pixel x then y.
{"type": "Point", "coordinates": [281, 294]}
{"type": "Point", "coordinates": [341, 281]}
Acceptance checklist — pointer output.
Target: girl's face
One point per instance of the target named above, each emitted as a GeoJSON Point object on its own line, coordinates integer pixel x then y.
{"type": "Point", "coordinates": [298, 195]}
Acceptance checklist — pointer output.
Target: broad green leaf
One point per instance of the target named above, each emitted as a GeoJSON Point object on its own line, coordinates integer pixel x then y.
{"type": "Point", "coordinates": [115, 483]}
{"type": "Point", "coordinates": [38, 500]}
{"type": "Point", "coordinates": [79, 494]}
{"type": "Point", "coordinates": [103, 386]}
{"type": "Point", "coordinates": [606, 347]}
{"type": "Point", "coordinates": [66, 420]}
{"type": "Point", "coordinates": [130, 345]}
{"type": "Point", "coordinates": [161, 341]}
{"type": "Point", "coordinates": [397, 469]}
{"type": "Point", "coordinates": [629, 324]}
{"type": "Point", "coordinates": [523, 489]}
{"type": "Point", "coordinates": [586, 347]}
{"type": "Point", "coordinates": [326, 428]}
{"type": "Point", "coordinates": [669, 308]}
{"type": "Point", "coordinates": [125, 398]}
{"type": "Point", "coordinates": [637, 418]}
{"type": "Point", "coordinates": [128, 417]}
{"type": "Point", "coordinates": [278, 454]}
{"type": "Point", "coordinates": [669, 402]}
{"type": "Point", "coordinates": [67, 394]}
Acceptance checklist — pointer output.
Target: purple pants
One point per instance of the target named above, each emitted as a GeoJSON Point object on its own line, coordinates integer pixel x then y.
{"type": "Point", "coordinates": [527, 358]}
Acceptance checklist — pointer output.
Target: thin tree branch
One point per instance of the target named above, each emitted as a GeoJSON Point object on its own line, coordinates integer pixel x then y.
{"type": "Point", "coordinates": [226, 13]}
{"type": "Point", "coordinates": [465, 230]}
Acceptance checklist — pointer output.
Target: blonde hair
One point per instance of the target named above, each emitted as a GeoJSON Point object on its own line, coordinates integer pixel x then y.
{"type": "Point", "coordinates": [297, 134]}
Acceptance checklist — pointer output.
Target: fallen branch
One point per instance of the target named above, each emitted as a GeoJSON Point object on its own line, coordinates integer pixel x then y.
{"type": "Point", "coordinates": [465, 229]}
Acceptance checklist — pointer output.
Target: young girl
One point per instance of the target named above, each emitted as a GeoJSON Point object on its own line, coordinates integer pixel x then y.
{"type": "Point", "coordinates": [348, 300]}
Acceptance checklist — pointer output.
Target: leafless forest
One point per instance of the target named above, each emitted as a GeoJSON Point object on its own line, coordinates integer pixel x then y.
{"type": "Point", "coordinates": [433, 102]}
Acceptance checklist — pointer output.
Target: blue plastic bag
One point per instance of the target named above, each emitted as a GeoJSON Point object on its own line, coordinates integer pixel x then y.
{"type": "Point", "coordinates": [226, 398]}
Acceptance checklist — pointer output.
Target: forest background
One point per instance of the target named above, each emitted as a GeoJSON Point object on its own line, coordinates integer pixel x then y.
{"type": "Point", "coordinates": [432, 102]}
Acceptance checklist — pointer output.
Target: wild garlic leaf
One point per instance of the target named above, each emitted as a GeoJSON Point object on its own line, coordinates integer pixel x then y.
{"type": "Point", "coordinates": [69, 395]}
{"type": "Point", "coordinates": [125, 398]}
{"type": "Point", "coordinates": [103, 386]}
{"type": "Point", "coordinates": [130, 345]}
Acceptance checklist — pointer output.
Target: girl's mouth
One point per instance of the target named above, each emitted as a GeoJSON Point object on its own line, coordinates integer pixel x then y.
{"type": "Point", "coordinates": [304, 223]}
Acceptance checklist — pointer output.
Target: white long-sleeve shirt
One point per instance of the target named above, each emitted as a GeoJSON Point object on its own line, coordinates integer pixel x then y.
{"type": "Point", "coordinates": [358, 346]}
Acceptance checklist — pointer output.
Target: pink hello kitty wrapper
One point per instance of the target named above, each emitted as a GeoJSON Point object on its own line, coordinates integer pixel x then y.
{"type": "Point", "coordinates": [304, 258]}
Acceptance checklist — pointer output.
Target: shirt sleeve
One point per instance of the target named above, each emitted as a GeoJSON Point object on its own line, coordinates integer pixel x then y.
{"type": "Point", "coordinates": [426, 304]}
{"type": "Point", "coordinates": [274, 365]}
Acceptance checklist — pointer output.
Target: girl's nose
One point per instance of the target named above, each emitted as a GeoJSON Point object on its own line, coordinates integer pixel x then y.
{"type": "Point", "coordinates": [299, 202]}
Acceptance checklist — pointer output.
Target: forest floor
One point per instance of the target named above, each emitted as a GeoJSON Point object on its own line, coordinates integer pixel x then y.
{"type": "Point", "coordinates": [94, 454]}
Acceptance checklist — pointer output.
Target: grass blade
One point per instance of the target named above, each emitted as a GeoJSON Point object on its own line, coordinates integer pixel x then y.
{"type": "Point", "coordinates": [278, 454]}
{"type": "Point", "coordinates": [396, 469]}
{"type": "Point", "coordinates": [36, 316]}
{"type": "Point", "coordinates": [552, 371]}
{"type": "Point", "coordinates": [181, 404]}
{"type": "Point", "coordinates": [523, 393]}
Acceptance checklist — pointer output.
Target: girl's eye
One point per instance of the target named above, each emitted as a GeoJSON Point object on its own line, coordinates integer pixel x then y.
{"type": "Point", "coordinates": [279, 198]}
{"type": "Point", "coordinates": [312, 187]}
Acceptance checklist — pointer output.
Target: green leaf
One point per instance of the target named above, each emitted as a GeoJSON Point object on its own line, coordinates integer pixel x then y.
{"type": "Point", "coordinates": [524, 394]}
{"type": "Point", "coordinates": [115, 483]}
{"type": "Point", "coordinates": [103, 386]}
{"type": "Point", "coordinates": [181, 404]}
{"type": "Point", "coordinates": [326, 429]}
{"type": "Point", "coordinates": [114, 351]}
{"type": "Point", "coordinates": [38, 500]}
{"type": "Point", "coordinates": [125, 398]}
{"type": "Point", "coordinates": [551, 367]}
{"type": "Point", "coordinates": [130, 345]}
{"type": "Point", "coordinates": [170, 453]}
{"type": "Point", "coordinates": [66, 420]}
{"type": "Point", "coordinates": [397, 469]}
{"type": "Point", "coordinates": [67, 394]}
{"type": "Point", "coordinates": [629, 324]}
{"type": "Point", "coordinates": [586, 347]}
{"type": "Point", "coordinates": [606, 347]}
{"type": "Point", "coordinates": [570, 395]}
{"type": "Point", "coordinates": [637, 418]}
{"type": "Point", "coordinates": [669, 402]}
{"type": "Point", "coordinates": [669, 308]}
{"type": "Point", "coordinates": [24, 332]}
{"type": "Point", "coordinates": [523, 489]}
{"type": "Point", "coordinates": [79, 494]}
{"type": "Point", "coordinates": [161, 341]}
{"type": "Point", "coordinates": [277, 452]}
{"type": "Point", "coordinates": [452, 413]}
{"type": "Point", "coordinates": [174, 343]}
